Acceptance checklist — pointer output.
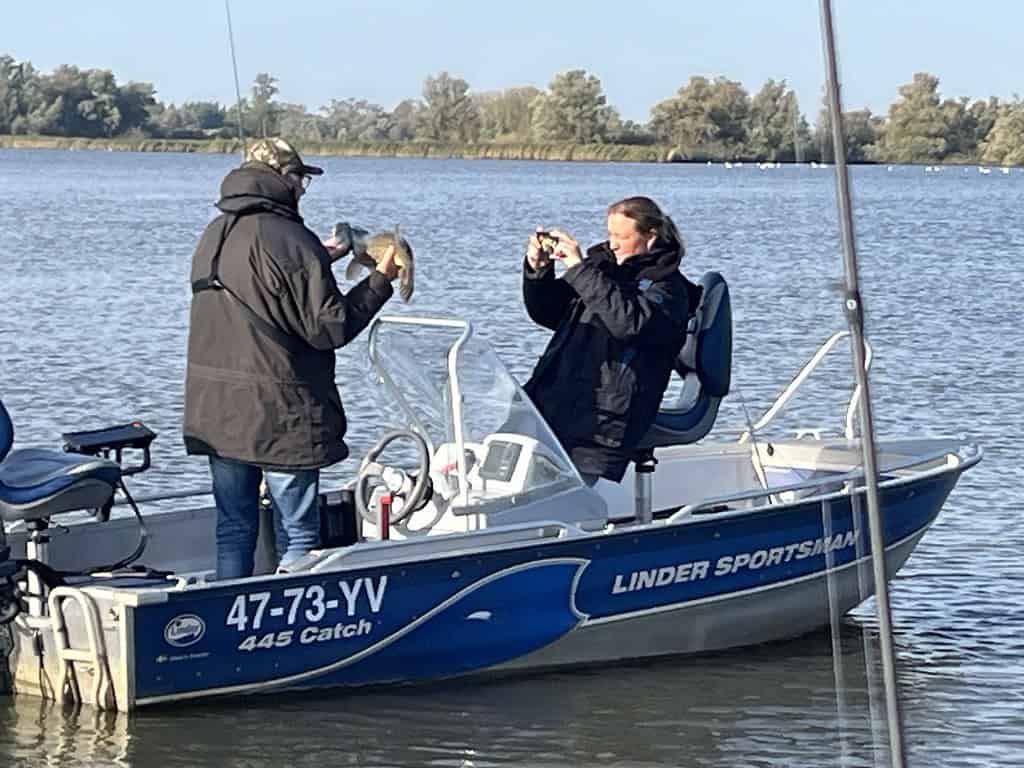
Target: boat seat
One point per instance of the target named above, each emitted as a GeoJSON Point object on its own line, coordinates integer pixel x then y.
{"type": "Point", "coordinates": [36, 483]}
{"type": "Point", "coordinates": [705, 367]}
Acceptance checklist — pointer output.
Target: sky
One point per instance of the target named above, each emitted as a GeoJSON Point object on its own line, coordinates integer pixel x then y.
{"type": "Point", "coordinates": [643, 51]}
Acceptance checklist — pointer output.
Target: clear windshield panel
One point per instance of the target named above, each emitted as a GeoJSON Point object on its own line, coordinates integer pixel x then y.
{"type": "Point", "coordinates": [411, 377]}
{"type": "Point", "coordinates": [488, 443]}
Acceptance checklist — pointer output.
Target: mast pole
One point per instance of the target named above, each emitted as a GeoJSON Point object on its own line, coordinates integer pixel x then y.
{"type": "Point", "coordinates": [854, 308]}
{"type": "Point", "coordinates": [234, 66]}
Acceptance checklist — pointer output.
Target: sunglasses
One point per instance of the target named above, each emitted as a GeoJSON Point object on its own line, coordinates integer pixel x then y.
{"type": "Point", "coordinates": [304, 179]}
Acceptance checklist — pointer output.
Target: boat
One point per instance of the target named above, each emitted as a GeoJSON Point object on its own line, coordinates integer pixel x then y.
{"type": "Point", "coordinates": [466, 544]}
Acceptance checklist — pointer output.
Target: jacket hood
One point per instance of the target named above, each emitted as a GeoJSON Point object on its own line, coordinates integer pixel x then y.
{"type": "Point", "coordinates": [663, 260]}
{"type": "Point", "coordinates": [256, 187]}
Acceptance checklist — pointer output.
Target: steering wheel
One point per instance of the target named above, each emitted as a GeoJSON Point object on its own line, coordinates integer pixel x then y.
{"type": "Point", "coordinates": [415, 498]}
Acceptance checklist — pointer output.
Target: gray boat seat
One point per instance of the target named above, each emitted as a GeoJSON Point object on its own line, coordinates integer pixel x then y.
{"type": "Point", "coordinates": [36, 483]}
{"type": "Point", "coordinates": [705, 367]}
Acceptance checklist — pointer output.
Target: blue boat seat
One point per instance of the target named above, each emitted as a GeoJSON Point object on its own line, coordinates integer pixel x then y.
{"type": "Point", "coordinates": [705, 367]}
{"type": "Point", "coordinates": [36, 483]}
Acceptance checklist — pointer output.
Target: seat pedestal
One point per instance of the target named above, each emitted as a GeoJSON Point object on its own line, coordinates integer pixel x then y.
{"type": "Point", "coordinates": [643, 471]}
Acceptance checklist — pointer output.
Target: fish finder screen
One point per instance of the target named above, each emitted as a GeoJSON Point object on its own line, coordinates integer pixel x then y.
{"type": "Point", "coordinates": [500, 462]}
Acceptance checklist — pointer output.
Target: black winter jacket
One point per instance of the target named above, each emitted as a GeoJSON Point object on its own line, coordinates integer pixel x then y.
{"type": "Point", "coordinates": [261, 390]}
{"type": "Point", "coordinates": [618, 330]}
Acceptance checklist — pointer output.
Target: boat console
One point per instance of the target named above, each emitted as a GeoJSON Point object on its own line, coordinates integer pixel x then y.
{"type": "Point", "coordinates": [490, 457]}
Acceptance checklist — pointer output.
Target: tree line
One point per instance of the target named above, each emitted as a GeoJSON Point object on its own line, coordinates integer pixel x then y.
{"type": "Point", "coordinates": [706, 119]}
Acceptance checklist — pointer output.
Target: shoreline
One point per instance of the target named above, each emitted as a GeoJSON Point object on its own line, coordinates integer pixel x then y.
{"type": "Point", "coordinates": [489, 151]}
{"type": "Point", "coordinates": [627, 153]}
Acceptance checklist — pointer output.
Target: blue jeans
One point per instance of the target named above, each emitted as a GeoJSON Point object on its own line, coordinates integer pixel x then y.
{"type": "Point", "coordinates": [236, 492]}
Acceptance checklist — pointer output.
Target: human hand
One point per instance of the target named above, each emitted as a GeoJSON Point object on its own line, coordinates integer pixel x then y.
{"type": "Point", "coordinates": [337, 249]}
{"type": "Point", "coordinates": [567, 249]}
{"type": "Point", "coordinates": [387, 265]}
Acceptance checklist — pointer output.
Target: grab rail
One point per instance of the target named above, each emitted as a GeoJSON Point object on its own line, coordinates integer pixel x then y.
{"type": "Point", "coordinates": [973, 457]}
{"type": "Point", "coordinates": [95, 655]}
{"type": "Point", "coordinates": [794, 385]}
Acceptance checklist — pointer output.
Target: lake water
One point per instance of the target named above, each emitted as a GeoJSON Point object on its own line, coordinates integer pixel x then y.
{"type": "Point", "coordinates": [94, 263]}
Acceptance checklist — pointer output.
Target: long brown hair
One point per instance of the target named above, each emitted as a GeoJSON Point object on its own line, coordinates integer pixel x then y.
{"type": "Point", "coordinates": [650, 218]}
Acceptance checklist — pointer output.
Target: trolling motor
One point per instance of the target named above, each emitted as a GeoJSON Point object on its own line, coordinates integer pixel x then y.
{"type": "Point", "coordinates": [9, 596]}
{"type": "Point", "coordinates": [111, 443]}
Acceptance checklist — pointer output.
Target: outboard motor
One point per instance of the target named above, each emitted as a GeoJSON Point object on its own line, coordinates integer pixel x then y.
{"type": "Point", "coordinates": [705, 366]}
{"type": "Point", "coordinates": [9, 605]}
{"type": "Point", "coordinates": [9, 608]}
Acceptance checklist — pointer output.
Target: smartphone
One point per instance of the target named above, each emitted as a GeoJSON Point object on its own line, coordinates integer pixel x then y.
{"type": "Point", "coordinates": [547, 241]}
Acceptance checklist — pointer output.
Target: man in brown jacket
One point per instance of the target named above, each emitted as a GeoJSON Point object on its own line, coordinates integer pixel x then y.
{"type": "Point", "coordinates": [266, 317]}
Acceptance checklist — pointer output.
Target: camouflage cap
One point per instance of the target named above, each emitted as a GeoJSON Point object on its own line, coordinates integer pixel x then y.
{"type": "Point", "coordinates": [279, 155]}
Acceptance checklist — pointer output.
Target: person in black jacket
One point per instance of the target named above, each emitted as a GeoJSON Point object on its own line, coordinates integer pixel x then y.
{"type": "Point", "coordinates": [619, 317]}
{"type": "Point", "coordinates": [266, 317]}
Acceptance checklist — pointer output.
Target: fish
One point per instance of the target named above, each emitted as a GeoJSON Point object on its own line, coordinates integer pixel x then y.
{"type": "Point", "coordinates": [345, 236]}
{"type": "Point", "coordinates": [368, 249]}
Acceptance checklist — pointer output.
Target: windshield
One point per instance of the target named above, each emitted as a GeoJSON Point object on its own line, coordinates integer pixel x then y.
{"type": "Point", "coordinates": [487, 442]}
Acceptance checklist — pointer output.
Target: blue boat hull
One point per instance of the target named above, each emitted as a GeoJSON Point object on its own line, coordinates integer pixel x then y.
{"type": "Point", "coordinates": [715, 581]}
